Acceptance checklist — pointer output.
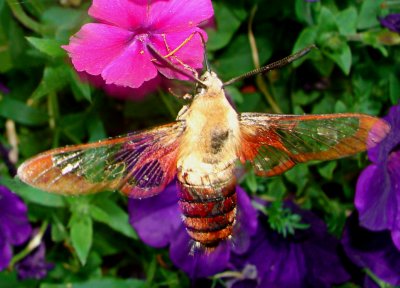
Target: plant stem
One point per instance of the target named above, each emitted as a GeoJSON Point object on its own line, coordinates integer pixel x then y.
{"type": "Point", "coordinates": [19, 13]}
{"type": "Point", "coordinates": [34, 243]}
{"type": "Point", "coordinates": [262, 86]}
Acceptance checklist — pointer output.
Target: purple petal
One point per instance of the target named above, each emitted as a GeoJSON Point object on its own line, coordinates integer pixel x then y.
{"type": "Point", "coordinates": [372, 250]}
{"type": "Point", "coordinates": [396, 238]}
{"type": "Point", "coordinates": [5, 253]}
{"type": "Point", "coordinates": [195, 262]}
{"type": "Point", "coordinates": [246, 222]}
{"type": "Point", "coordinates": [392, 22]}
{"type": "Point", "coordinates": [380, 153]}
{"type": "Point", "coordinates": [34, 266]}
{"type": "Point", "coordinates": [179, 15]}
{"type": "Point", "coordinates": [157, 219]}
{"type": "Point", "coordinates": [14, 224]}
{"type": "Point", "coordinates": [126, 14]}
{"type": "Point", "coordinates": [375, 200]}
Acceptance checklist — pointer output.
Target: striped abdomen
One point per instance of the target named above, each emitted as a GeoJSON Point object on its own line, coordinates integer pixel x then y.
{"type": "Point", "coordinates": [209, 211]}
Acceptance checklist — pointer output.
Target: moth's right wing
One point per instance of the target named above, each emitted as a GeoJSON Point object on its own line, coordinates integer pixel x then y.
{"type": "Point", "coordinates": [274, 143]}
{"type": "Point", "coordinates": [139, 164]}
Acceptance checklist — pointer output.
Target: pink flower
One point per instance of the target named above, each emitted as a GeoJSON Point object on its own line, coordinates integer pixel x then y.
{"type": "Point", "coordinates": [119, 48]}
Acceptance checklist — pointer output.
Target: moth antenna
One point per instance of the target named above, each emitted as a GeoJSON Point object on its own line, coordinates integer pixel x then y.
{"type": "Point", "coordinates": [175, 67]}
{"type": "Point", "coordinates": [275, 65]}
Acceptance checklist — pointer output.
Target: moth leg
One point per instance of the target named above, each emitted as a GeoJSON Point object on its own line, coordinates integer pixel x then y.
{"type": "Point", "coordinates": [182, 112]}
{"type": "Point", "coordinates": [185, 97]}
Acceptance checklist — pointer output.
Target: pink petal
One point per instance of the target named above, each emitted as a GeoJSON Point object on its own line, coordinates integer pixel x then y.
{"type": "Point", "coordinates": [191, 53]}
{"type": "Point", "coordinates": [178, 15]}
{"type": "Point", "coordinates": [133, 67]}
{"type": "Point", "coordinates": [95, 46]}
{"type": "Point", "coordinates": [134, 94]}
{"type": "Point", "coordinates": [126, 14]}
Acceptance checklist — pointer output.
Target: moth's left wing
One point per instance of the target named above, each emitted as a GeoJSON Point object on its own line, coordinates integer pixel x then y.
{"type": "Point", "coordinates": [275, 143]}
{"type": "Point", "coordinates": [138, 164]}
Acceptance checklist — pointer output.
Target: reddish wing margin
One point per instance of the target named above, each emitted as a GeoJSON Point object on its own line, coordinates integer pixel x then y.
{"type": "Point", "coordinates": [139, 164]}
{"type": "Point", "coordinates": [275, 143]}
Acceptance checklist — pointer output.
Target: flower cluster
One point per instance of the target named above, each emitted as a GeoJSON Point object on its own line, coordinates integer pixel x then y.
{"type": "Point", "coordinates": [126, 45]}
{"type": "Point", "coordinates": [378, 188]}
{"type": "Point", "coordinates": [309, 258]}
{"type": "Point", "coordinates": [372, 250]}
{"type": "Point", "coordinates": [16, 230]}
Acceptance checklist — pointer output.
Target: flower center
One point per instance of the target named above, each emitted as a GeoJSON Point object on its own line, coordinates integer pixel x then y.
{"type": "Point", "coordinates": [142, 37]}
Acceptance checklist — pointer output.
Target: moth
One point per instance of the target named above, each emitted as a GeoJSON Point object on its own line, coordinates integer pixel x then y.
{"type": "Point", "coordinates": [201, 149]}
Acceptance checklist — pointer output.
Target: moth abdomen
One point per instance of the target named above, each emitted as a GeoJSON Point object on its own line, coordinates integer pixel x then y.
{"type": "Point", "coordinates": [208, 213]}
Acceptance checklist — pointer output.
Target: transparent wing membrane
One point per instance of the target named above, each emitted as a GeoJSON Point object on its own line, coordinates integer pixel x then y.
{"type": "Point", "coordinates": [139, 165]}
{"type": "Point", "coordinates": [275, 143]}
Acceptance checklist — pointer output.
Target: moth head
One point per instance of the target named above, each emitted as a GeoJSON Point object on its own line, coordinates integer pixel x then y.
{"type": "Point", "coordinates": [211, 82]}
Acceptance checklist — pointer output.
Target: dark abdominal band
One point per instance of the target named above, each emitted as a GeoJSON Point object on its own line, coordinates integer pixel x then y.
{"type": "Point", "coordinates": [209, 212]}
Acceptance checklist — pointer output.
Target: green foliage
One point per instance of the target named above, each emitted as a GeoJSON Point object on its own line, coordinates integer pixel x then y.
{"type": "Point", "coordinates": [91, 242]}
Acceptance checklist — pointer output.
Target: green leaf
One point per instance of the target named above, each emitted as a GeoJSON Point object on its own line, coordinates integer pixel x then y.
{"type": "Point", "coordinates": [10, 280]}
{"type": "Point", "coordinates": [300, 97]}
{"type": "Point", "coordinates": [229, 19]}
{"type": "Point", "coordinates": [326, 170]}
{"type": "Point", "coordinates": [54, 79]}
{"type": "Point", "coordinates": [50, 47]}
{"type": "Point", "coordinates": [33, 195]}
{"type": "Point", "coordinates": [340, 107]}
{"type": "Point", "coordinates": [96, 128]}
{"type": "Point", "coordinates": [394, 89]}
{"type": "Point", "coordinates": [234, 93]}
{"type": "Point", "coordinates": [21, 113]}
{"type": "Point", "coordinates": [304, 10]}
{"type": "Point", "coordinates": [341, 55]}
{"type": "Point", "coordinates": [298, 176]}
{"type": "Point", "coordinates": [115, 217]}
{"type": "Point", "coordinates": [81, 235]}
{"type": "Point", "coordinates": [307, 37]}
{"type": "Point", "coordinates": [276, 188]}
{"type": "Point", "coordinates": [251, 181]}
{"type": "Point", "coordinates": [369, 13]}
{"type": "Point", "coordinates": [326, 21]}
{"type": "Point", "coordinates": [237, 58]}
{"type": "Point", "coordinates": [346, 21]}
{"type": "Point", "coordinates": [80, 88]}
{"type": "Point", "coordinates": [58, 231]}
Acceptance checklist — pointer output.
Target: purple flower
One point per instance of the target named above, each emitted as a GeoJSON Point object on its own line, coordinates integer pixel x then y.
{"type": "Point", "coordinates": [378, 188]}
{"type": "Point", "coordinates": [309, 258]}
{"type": "Point", "coordinates": [392, 22]}
{"type": "Point", "coordinates": [14, 226]}
{"type": "Point", "coordinates": [117, 48]}
{"type": "Point", "coordinates": [372, 250]}
{"type": "Point", "coordinates": [157, 220]}
{"type": "Point", "coordinates": [34, 266]}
